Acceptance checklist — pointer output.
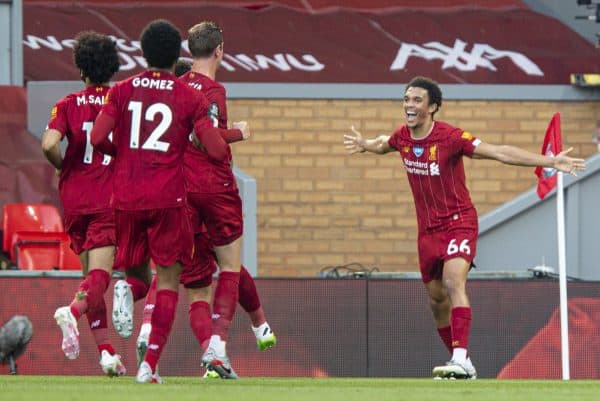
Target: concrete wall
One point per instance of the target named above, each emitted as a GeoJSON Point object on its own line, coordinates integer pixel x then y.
{"type": "Point", "coordinates": [567, 11]}
{"type": "Point", "coordinates": [11, 35]}
{"type": "Point", "coordinates": [522, 233]}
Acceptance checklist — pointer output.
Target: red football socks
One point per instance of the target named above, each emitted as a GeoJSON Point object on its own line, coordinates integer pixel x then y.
{"type": "Point", "coordinates": [225, 301]}
{"type": "Point", "coordinates": [162, 321]}
{"type": "Point", "coordinates": [150, 302]}
{"type": "Point", "coordinates": [97, 320]}
{"type": "Point", "coordinates": [446, 336]}
{"type": "Point", "coordinates": [139, 288]}
{"type": "Point", "coordinates": [460, 320]}
{"type": "Point", "coordinates": [91, 292]}
{"type": "Point", "coordinates": [249, 299]}
{"type": "Point", "coordinates": [105, 345]}
{"type": "Point", "coordinates": [200, 322]}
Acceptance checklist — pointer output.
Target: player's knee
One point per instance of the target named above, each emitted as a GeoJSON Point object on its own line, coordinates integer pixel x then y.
{"type": "Point", "coordinates": [454, 284]}
{"type": "Point", "coordinates": [199, 294]}
{"type": "Point", "coordinates": [438, 301]}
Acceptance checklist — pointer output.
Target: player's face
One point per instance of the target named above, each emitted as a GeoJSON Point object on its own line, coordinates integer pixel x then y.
{"type": "Point", "coordinates": [416, 107]}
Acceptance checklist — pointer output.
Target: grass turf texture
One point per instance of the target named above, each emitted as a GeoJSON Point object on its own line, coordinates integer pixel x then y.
{"type": "Point", "coordinates": [93, 388]}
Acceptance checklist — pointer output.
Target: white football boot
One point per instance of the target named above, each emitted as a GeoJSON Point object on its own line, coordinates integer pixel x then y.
{"type": "Point", "coordinates": [111, 364]}
{"type": "Point", "coordinates": [122, 315]}
{"type": "Point", "coordinates": [68, 325]}
{"type": "Point", "coordinates": [265, 338]}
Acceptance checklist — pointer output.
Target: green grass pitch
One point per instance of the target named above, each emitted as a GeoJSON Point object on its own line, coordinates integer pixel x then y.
{"type": "Point", "coordinates": [95, 388]}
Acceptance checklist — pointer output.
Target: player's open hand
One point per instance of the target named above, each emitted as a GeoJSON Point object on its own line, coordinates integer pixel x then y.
{"type": "Point", "coordinates": [353, 141]}
{"type": "Point", "coordinates": [568, 164]}
{"type": "Point", "coordinates": [244, 127]}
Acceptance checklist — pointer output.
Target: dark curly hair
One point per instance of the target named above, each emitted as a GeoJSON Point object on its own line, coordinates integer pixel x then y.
{"type": "Point", "coordinates": [96, 56]}
{"type": "Point", "coordinates": [204, 38]}
{"type": "Point", "coordinates": [161, 43]}
{"type": "Point", "coordinates": [432, 88]}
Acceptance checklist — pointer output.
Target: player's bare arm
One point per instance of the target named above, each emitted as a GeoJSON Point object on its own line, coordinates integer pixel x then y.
{"type": "Point", "coordinates": [51, 147]}
{"type": "Point", "coordinates": [355, 143]}
{"type": "Point", "coordinates": [508, 154]}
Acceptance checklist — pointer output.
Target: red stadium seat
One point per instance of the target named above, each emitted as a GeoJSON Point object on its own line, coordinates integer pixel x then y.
{"type": "Point", "coordinates": [28, 217]}
{"type": "Point", "coordinates": [35, 250]}
{"type": "Point", "coordinates": [37, 257]}
{"type": "Point", "coordinates": [44, 251]}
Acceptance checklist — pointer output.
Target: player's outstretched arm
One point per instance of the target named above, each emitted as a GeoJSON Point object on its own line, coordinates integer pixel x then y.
{"type": "Point", "coordinates": [567, 164]}
{"type": "Point", "coordinates": [355, 143]}
{"type": "Point", "coordinates": [520, 157]}
{"type": "Point", "coordinates": [51, 147]}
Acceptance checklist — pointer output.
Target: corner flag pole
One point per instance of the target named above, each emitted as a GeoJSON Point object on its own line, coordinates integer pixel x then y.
{"type": "Point", "coordinates": [562, 277]}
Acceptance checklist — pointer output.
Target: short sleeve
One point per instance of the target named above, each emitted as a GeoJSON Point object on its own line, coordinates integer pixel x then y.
{"type": "Point", "coordinates": [464, 142]}
{"type": "Point", "coordinates": [394, 140]}
{"type": "Point", "coordinates": [58, 118]}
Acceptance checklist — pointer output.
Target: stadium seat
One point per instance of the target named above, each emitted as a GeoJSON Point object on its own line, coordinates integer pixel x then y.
{"type": "Point", "coordinates": [44, 251]}
{"type": "Point", "coordinates": [34, 250]}
{"type": "Point", "coordinates": [18, 217]}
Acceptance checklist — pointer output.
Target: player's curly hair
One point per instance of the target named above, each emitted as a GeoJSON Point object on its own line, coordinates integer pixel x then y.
{"type": "Point", "coordinates": [204, 38]}
{"type": "Point", "coordinates": [96, 56]}
{"type": "Point", "coordinates": [432, 88]}
{"type": "Point", "coordinates": [161, 43]}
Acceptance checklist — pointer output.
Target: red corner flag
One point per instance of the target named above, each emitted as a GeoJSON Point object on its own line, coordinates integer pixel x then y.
{"type": "Point", "coordinates": [551, 147]}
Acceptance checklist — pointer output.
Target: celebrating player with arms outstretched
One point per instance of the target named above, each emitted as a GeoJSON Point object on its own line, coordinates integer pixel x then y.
{"type": "Point", "coordinates": [432, 152]}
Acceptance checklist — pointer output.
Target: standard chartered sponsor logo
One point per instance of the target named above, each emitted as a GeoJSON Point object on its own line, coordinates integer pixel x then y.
{"type": "Point", "coordinates": [421, 168]}
{"type": "Point", "coordinates": [414, 163]}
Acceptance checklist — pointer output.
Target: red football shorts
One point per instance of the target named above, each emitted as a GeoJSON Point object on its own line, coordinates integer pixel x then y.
{"type": "Point", "coordinates": [457, 241]}
{"type": "Point", "coordinates": [89, 231]}
{"type": "Point", "coordinates": [200, 272]}
{"type": "Point", "coordinates": [221, 213]}
{"type": "Point", "coordinates": [165, 235]}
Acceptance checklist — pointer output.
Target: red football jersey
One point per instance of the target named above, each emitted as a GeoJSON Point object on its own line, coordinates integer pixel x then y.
{"type": "Point", "coordinates": [436, 173]}
{"type": "Point", "coordinates": [202, 173]}
{"type": "Point", "coordinates": [85, 183]}
{"type": "Point", "coordinates": [154, 114]}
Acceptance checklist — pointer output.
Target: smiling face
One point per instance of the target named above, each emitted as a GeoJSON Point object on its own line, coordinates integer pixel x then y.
{"type": "Point", "coordinates": [417, 109]}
